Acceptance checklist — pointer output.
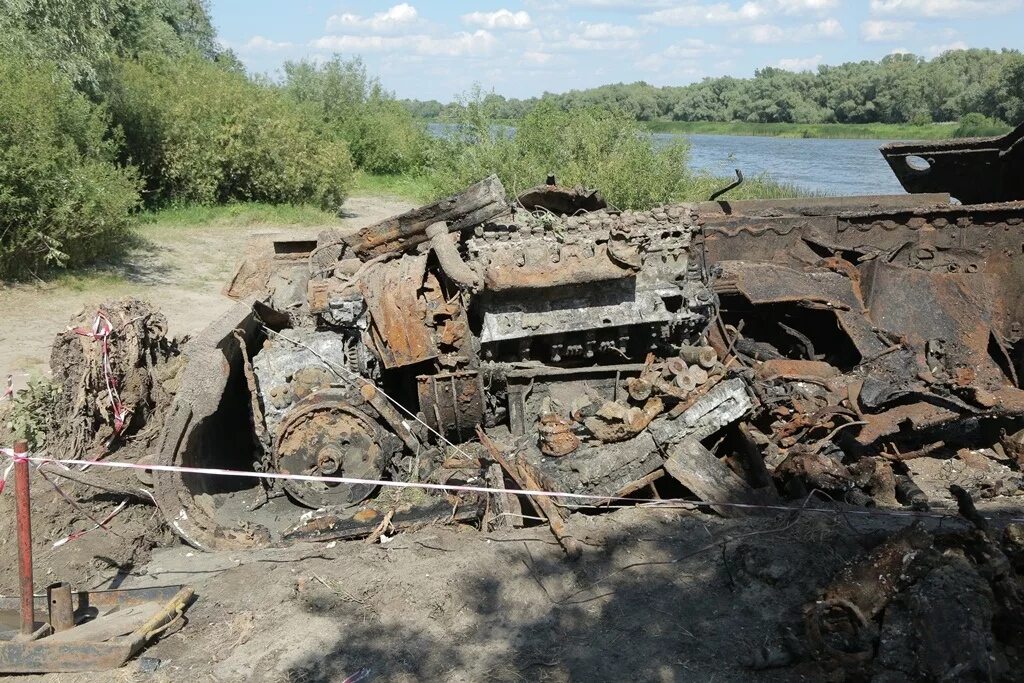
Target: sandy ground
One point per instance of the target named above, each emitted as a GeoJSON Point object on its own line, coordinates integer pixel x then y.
{"type": "Point", "coordinates": [659, 595]}
{"type": "Point", "coordinates": [182, 272]}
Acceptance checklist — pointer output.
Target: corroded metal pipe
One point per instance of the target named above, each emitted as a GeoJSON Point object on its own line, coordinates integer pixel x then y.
{"type": "Point", "coordinates": [62, 616]}
{"type": "Point", "coordinates": [448, 256]}
{"type": "Point", "coordinates": [21, 492]}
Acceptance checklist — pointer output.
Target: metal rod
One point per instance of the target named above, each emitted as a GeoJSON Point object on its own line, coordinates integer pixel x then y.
{"type": "Point", "coordinates": [21, 492]}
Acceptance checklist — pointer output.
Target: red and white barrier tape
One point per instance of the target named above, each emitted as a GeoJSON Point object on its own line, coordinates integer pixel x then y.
{"type": "Point", "coordinates": [98, 524]}
{"type": "Point", "coordinates": [8, 394]}
{"type": "Point", "coordinates": [101, 331]}
{"type": "Point", "coordinates": [7, 473]}
{"type": "Point", "coordinates": [101, 524]}
{"type": "Point", "coordinates": [601, 501]}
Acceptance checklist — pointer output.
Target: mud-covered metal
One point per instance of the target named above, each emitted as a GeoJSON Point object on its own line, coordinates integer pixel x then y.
{"type": "Point", "coordinates": [326, 436]}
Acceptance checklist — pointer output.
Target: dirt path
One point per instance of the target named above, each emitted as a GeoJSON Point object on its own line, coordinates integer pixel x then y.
{"type": "Point", "coordinates": [181, 270]}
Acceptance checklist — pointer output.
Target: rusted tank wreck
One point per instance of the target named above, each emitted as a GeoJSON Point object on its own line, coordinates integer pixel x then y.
{"type": "Point", "coordinates": [737, 353]}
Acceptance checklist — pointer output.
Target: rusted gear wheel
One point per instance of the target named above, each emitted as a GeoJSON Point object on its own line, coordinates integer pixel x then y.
{"type": "Point", "coordinates": [325, 436]}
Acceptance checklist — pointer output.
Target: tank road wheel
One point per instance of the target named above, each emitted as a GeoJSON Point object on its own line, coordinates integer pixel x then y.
{"type": "Point", "coordinates": [325, 436]}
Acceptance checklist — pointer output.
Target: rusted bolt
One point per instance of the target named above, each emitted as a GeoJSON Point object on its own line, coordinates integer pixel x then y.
{"type": "Point", "coordinates": [328, 460]}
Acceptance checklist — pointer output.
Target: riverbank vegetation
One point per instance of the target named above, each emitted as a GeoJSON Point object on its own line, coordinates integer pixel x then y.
{"type": "Point", "coordinates": [898, 89]}
{"type": "Point", "coordinates": [116, 113]}
{"type": "Point", "coordinates": [971, 125]}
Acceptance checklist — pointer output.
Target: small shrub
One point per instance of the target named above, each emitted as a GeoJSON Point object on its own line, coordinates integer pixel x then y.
{"type": "Point", "coordinates": [921, 118]}
{"type": "Point", "coordinates": [201, 133]}
{"type": "Point", "coordinates": [33, 412]}
{"type": "Point", "coordinates": [62, 199]}
{"type": "Point", "coordinates": [975, 125]}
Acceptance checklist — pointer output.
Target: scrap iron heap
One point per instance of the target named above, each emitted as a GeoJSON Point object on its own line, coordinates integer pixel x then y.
{"type": "Point", "coordinates": [737, 353]}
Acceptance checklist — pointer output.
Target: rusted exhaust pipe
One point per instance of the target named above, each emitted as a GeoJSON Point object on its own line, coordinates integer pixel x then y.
{"type": "Point", "coordinates": [448, 257]}
{"type": "Point", "coordinates": [21, 492]}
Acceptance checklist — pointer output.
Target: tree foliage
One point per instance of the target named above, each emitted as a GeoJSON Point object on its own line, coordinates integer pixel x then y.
{"type": "Point", "coordinates": [590, 147]}
{"type": "Point", "coordinates": [382, 134]}
{"type": "Point", "coordinates": [83, 36]}
{"type": "Point", "coordinates": [201, 133]}
{"type": "Point", "coordinates": [62, 199]}
{"type": "Point", "coordinates": [900, 88]}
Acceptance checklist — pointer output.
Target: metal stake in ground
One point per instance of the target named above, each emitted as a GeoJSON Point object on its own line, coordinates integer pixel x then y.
{"type": "Point", "coordinates": [21, 492]}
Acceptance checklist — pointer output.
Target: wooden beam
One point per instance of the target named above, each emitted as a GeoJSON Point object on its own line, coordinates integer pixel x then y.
{"type": "Point", "coordinates": [474, 205]}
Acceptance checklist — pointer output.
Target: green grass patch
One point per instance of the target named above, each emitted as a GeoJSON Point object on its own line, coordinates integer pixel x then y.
{"type": "Point", "coordinates": [242, 214]}
{"type": "Point", "coordinates": [415, 187]}
{"type": "Point", "coordinates": [863, 131]}
{"type": "Point", "coordinates": [89, 279]}
{"type": "Point", "coordinates": [699, 187]}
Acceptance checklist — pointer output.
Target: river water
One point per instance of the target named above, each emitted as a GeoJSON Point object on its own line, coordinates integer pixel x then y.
{"type": "Point", "coordinates": [834, 167]}
{"type": "Point", "coordinates": [829, 166]}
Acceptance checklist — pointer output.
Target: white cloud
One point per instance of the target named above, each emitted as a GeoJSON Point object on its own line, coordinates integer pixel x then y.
{"type": "Point", "coordinates": [699, 14]}
{"type": "Point", "coordinates": [621, 4]}
{"type": "Point", "coordinates": [882, 31]}
{"type": "Point", "coordinates": [534, 57]}
{"type": "Point", "coordinates": [802, 6]}
{"type": "Point", "coordinates": [764, 34]}
{"type": "Point", "coordinates": [943, 9]}
{"type": "Point", "coordinates": [499, 19]}
{"type": "Point", "coordinates": [604, 31]}
{"type": "Point", "coordinates": [936, 50]}
{"type": "Point", "coordinates": [459, 45]}
{"type": "Point", "coordinates": [800, 63]}
{"type": "Point", "coordinates": [261, 44]}
{"type": "Point", "coordinates": [603, 36]}
{"type": "Point", "coordinates": [690, 48]}
{"type": "Point", "coordinates": [391, 19]}
{"type": "Point", "coordinates": [696, 15]}
{"type": "Point", "coordinates": [680, 58]}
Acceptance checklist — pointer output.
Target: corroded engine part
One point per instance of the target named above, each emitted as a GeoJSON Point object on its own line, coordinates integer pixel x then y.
{"type": "Point", "coordinates": [326, 436]}
{"type": "Point", "coordinates": [293, 365]}
{"type": "Point", "coordinates": [540, 300]}
{"type": "Point", "coordinates": [601, 342]}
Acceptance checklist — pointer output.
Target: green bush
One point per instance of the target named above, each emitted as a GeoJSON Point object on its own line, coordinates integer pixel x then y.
{"type": "Point", "coordinates": [591, 147]}
{"type": "Point", "coordinates": [383, 135]}
{"type": "Point", "coordinates": [978, 125]}
{"type": "Point", "coordinates": [204, 134]}
{"type": "Point", "coordinates": [921, 118]}
{"type": "Point", "coordinates": [62, 199]}
{"type": "Point", "coordinates": [33, 412]}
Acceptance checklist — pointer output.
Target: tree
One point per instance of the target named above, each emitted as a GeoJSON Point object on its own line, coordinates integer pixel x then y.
{"type": "Point", "coordinates": [83, 36]}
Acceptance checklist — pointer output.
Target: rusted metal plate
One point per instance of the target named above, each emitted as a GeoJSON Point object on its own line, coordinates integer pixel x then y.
{"type": "Point", "coordinates": [819, 206]}
{"type": "Point", "coordinates": [785, 368]}
{"type": "Point", "coordinates": [931, 308]}
{"type": "Point", "coordinates": [766, 283]}
{"type": "Point", "coordinates": [399, 331]}
{"type": "Point", "coordinates": [452, 402]}
{"type": "Point", "coordinates": [974, 170]}
{"type": "Point", "coordinates": [64, 653]}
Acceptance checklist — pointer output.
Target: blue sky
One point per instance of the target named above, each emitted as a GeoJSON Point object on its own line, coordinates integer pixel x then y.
{"type": "Point", "coordinates": [436, 50]}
